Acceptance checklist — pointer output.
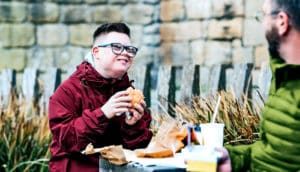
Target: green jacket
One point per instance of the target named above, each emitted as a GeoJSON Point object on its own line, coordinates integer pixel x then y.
{"type": "Point", "coordinates": [279, 148]}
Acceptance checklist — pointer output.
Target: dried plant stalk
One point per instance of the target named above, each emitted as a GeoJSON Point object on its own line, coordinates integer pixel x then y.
{"type": "Point", "coordinates": [241, 119]}
{"type": "Point", "coordinates": [25, 137]}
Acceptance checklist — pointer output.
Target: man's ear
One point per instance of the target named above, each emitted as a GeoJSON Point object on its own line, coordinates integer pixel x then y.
{"type": "Point", "coordinates": [283, 23]}
{"type": "Point", "coordinates": [95, 51]}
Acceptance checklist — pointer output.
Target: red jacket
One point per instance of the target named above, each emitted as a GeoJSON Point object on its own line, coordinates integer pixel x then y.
{"type": "Point", "coordinates": [76, 120]}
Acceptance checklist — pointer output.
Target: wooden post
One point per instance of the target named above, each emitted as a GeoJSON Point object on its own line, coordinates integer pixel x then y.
{"type": "Point", "coordinates": [50, 79]}
{"type": "Point", "coordinates": [166, 90]}
{"type": "Point", "coordinates": [223, 77]}
{"type": "Point", "coordinates": [209, 80]}
{"type": "Point", "coordinates": [147, 86]}
{"type": "Point", "coordinates": [30, 89]}
{"type": "Point", "coordinates": [264, 81]}
{"type": "Point", "coordinates": [187, 81]}
{"type": "Point", "coordinates": [261, 84]}
{"type": "Point", "coordinates": [238, 80]}
{"type": "Point", "coordinates": [7, 84]}
{"type": "Point", "coordinates": [138, 75]}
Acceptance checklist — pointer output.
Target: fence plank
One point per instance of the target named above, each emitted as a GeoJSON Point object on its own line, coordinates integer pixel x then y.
{"type": "Point", "coordinates": [29, 84]}
{"type": "Point", "coordinates": [238, 79]}
{"type": "Point", "coordinates": [147, 86]}
{"type": "Point", "coordinates": [138, 76]}
{"type": "Point", "coordinates": [264, 80]}
{"type": "Point", "coordinates": [7, 83]}
{"type": "Point", "coordinates": [50, 79]}
{"type": "Point", "coordinates": [209, 79]}
{"type": "Point", "coordinates": [223, 77]}
{"type": "Point", "coordinates": [189, 77]}
{"type": "Point", "coordinates": [165, 89]}
{"type": "Point", "coordinates": [193, 80]}
{"type": "Point", "coordinates": [257, 100]}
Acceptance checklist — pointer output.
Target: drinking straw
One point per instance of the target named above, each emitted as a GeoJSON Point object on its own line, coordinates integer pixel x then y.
{"type": "Point", "coordinates": [216, 110]}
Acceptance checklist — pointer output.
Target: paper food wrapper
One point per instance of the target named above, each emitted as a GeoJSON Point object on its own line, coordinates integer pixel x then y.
{"type": "Point", "coordinates": [114, 154]}
{"type": "Point", "coordinates": [167, 141]}
{"type": "Point", "coordinates": [154, 150]}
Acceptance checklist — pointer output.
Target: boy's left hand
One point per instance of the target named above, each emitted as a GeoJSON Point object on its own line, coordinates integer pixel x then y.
{"type": "Point", "coordinates": [136, 113]}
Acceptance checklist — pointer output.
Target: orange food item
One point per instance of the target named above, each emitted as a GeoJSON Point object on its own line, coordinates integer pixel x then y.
{"type": "Point", "coordinates": [154, 150]}
{"type": "Point", "coordinates": [137, 95]}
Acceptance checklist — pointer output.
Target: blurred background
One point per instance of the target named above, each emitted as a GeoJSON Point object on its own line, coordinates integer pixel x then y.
{"type": "Point", "coordinates": [42, 42]}
{"type": "Point", "coordinates": [58, 33]}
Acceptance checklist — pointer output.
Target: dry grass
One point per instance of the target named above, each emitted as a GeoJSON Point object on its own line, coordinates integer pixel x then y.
{"type": "Point", "coordinates": [241, 119]}
{"type": "Point", "coordinates": [25, 136]}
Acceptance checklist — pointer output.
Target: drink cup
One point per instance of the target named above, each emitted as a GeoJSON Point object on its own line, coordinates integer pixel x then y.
{"type": "Point", "coordinates": [212, 134]}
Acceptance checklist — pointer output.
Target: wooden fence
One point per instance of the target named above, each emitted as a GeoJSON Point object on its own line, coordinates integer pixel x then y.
{"type": "Point", "coordinates": [172, 84]}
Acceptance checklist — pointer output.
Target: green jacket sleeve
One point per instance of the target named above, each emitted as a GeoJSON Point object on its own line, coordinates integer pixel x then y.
{"type": "Point", "coordinates": [240, 157]}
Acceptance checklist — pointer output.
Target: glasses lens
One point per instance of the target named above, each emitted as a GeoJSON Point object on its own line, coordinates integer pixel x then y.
{"type": "Point", "coordinates": [117, 48]}
{"type": "Point", "coordinates": [131, 51]}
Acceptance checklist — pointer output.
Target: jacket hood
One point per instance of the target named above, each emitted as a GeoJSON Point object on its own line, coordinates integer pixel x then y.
{"type": "Point", "coordinates": [89, 77]}
{"type": "Point", "coordinates": [89, 58]}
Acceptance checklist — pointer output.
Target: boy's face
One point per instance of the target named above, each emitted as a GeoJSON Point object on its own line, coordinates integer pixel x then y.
{"type": "Point", "coordinates": [108, 63]}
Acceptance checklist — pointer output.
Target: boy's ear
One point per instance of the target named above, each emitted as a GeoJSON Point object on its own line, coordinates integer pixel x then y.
{"type": "Point", "coordinates": [95, 52]}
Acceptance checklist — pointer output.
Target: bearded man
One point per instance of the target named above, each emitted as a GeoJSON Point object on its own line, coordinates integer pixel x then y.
{"type": "Point", "coordinates": [279, 148]}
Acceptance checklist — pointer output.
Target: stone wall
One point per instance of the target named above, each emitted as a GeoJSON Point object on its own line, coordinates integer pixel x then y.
{"type": "Point", "coordinates": [57, 33]}
{"type": "Point", "coordinates": [212, 31]}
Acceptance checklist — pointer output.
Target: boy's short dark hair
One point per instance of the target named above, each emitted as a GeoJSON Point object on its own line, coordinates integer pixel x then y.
{"type": "Point", "coordinates": [111, 27]}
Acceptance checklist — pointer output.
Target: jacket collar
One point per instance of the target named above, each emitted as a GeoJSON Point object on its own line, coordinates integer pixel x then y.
{"type": "Point", "coordinates": [283, 72]}
{"type": "Point", "coordinates": [91, 78]}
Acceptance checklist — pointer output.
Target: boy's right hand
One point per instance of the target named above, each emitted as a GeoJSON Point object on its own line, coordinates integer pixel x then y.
{"type": "Point", "coordinates": [119, 103]}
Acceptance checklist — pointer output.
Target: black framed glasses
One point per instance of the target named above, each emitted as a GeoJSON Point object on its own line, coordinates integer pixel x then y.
{"type": "Point", "coordinates": [118, 48]}
{"type": "Point", "coordinates": [260, 15]}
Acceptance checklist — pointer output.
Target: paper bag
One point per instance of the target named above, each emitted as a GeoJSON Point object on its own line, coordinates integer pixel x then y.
{"type": "Point", "coordinates": [114, 154]}
{"type": "Point", "coordinates": [167, 141]}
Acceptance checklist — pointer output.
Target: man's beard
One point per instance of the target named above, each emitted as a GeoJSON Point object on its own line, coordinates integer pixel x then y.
{"type": "Point", "coordinates": [273, 39]}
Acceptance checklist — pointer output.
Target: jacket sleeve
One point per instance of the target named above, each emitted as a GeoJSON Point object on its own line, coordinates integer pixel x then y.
{"type": "Point", "coordinates": [70, 130]}
{"type": "Point", "coordinates": [138, 135]}
{"type": "Point", "coordinates": [240, 157]}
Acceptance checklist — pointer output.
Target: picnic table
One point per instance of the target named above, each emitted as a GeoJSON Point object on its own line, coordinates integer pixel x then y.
{"type": "Point", "coordinates": [106, 166]}
{"type": "Point", "coordinates": [137, 164]}
{"type": "Point", "coordinates": [176, 163]}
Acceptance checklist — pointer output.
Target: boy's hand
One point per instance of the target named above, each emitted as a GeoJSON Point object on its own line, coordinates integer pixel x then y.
{"type": "Point", "coordinates": [136, 113]}
{"type": "Point", "coordinates": [117, 104]}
